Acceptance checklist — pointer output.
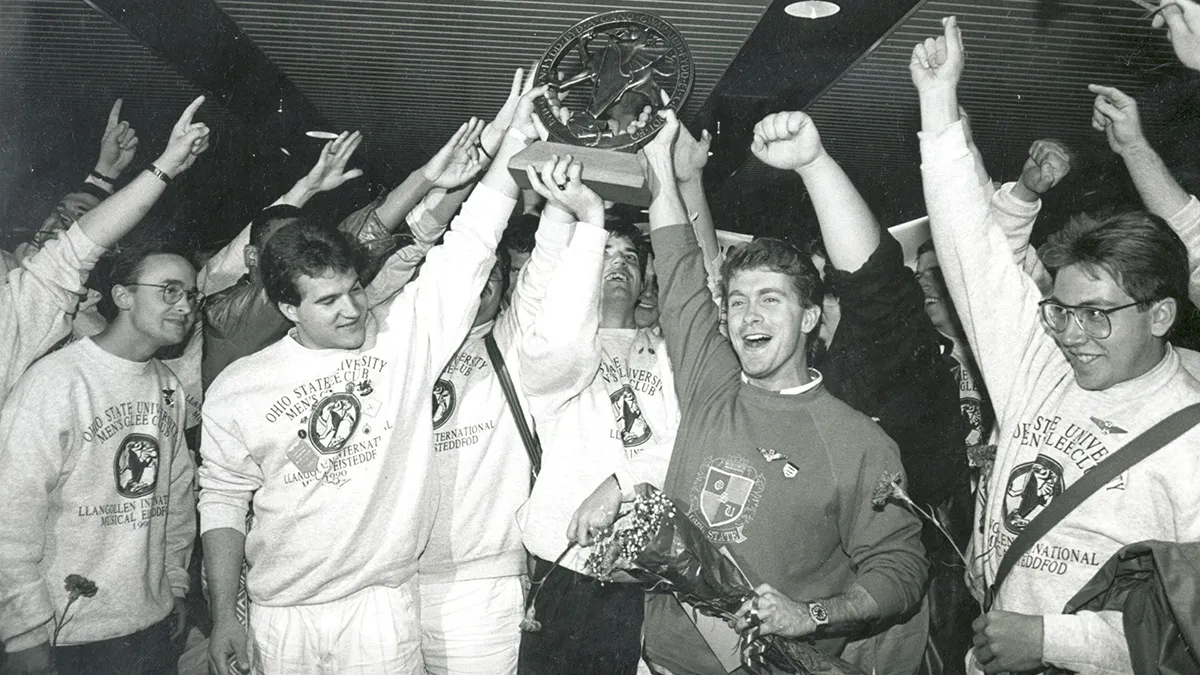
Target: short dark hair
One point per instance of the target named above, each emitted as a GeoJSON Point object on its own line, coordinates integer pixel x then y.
{"type": "Point", "coordinates": [926, 247]}
{"type": "Point", "coordinates": [779, 256]}
{"type": "Point", "coordinates": [626, 230]}
{"type": "Point", "coordinates": [520, 232]}
{"type": "Point", "coordinates": [1138, 249]}
{"type": "Point", "coordinates": [128, 260]}
{"type": "Point", "coordinates": [265, 218]}
{"type": "Point", "coordinates": [298, 249]}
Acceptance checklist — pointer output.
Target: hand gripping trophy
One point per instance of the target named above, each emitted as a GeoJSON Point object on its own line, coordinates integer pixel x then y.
{"type": "Point", "coordinates": [609, 75]}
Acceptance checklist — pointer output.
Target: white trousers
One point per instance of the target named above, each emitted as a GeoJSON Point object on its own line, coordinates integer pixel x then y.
{"type": "Point", "coordinates": [375, 631]}
{"type": "Point", "coordinates": [472, 627]}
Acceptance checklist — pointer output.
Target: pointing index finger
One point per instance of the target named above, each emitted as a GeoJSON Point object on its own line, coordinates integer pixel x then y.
{"type": "Point", "coordinates": [186, 118]}
{"type": "Point", "coordinates": [114, 115]}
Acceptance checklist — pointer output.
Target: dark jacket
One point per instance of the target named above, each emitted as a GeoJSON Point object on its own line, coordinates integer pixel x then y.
{"type": "Point", "coordinates": [886, 361]}
{"type": "Point", "coordinates": [1156, 586]}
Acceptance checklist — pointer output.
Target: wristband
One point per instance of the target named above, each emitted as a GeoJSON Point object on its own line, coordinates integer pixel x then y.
{"type": "Point", "coordinates": [159, 173]}
{"type": "Point", "coordinates": [483, 149]}
{"type": "Point", "coordinates": [520, 135]}
{"type": "Point", "coordinates": [99, 176]}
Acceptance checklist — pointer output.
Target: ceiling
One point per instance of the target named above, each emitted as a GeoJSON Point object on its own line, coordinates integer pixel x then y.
{"type": "Point", "coordinates": [407, 72]}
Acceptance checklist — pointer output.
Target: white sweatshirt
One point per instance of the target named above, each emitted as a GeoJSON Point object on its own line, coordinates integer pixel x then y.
{"type": "Point", "coordinates": [482, 464]}
{"type": "Point", "coordinates": [604, 400]}
{"type": "Point", "coordinates": [38, 300]}
{"type": "Point", "coordinates": [335, 446]}
{"type": "Point", "coordinates": [98, 482]}
{"type": "Point", "coordinates": [1051, 431]}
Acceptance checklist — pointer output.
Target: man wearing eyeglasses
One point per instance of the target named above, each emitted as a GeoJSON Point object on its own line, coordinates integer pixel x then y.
{"type": "Point", "coordinates": [1074, 377]}
{"type": "Point", "coordinates": [98, 481]}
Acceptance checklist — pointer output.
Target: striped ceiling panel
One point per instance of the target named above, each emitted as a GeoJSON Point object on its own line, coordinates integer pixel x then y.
{"type": "Point", "coordinates": [408, 72]}
{"type": "Point", "coordinates": [67, 53]}
{"type": "Point", "coordinates": [1026, 78]}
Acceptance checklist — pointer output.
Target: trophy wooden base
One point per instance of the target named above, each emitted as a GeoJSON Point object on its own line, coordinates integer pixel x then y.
{"type": "Point", "coordinates": [614, 175]}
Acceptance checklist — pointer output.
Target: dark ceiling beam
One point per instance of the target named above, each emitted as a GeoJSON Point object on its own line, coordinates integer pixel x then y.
{"type": "Point", "coordinates": [786, 64]}
{"type": "Point", "coordinates": [206, 47]}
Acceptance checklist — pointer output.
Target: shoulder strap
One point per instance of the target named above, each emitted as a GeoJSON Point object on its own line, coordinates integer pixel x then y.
{"type": "Point", "coordinates": [532, 445]}
{"type": "Point", "coordinates": [1141, 447]}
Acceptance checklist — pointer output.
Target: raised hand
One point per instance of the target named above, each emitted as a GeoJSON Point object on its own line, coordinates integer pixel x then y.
{"type": "Point", "coordinates": [691, 155]}
{"type": "Point", "coordinates": [1182, 19]}
{"type": "Point", "coordinates": [560, 183]}
{"type": "Point", "coordinates": [118, 145]}
{"type": "Point", "coordinates": [660, 152]}
{"type": "Point", "coordinates": [188, 140]}
{"type": "Point", "coordinates": [330, 172]}
{"type": "Point", "coordinates": [1049, 162]}
{"type": "Point", "coordinates": [1116, 114]}
{"type": "Point", "coordinates": [493, 132]}
{"type": "Point", "coordinates": [787, 140]}
{"type": "Point", "coordinates": [938, 63]}
{"type": "Point", "coordinates": [525, 120]}
{"type": "Point", "coordinates": [459, 159]}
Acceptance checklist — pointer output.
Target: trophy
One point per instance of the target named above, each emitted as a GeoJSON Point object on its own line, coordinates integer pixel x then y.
{"type": "Point", "coordinates": [608, 76]}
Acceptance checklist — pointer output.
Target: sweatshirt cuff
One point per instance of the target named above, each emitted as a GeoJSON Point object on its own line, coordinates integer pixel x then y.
{"type": "Point", "coordinates": [1004, 200]}
{"type": "Point", "coordinates": [31, 638]}
{"type": "Point", "coordinates": [883, 589]}
{"type": "Point", "coordinates": [485, 213]}
{"type": "Point", "coordinates": [1186, 223]}
{"type": "Point", "coordinates": [589, 237]}
{"type": "Point", "coordinates": [216, 515]}
{"type": "Point", "coordinates": [949, 143]}
{"type": "Point", "coordinates": [88, 251]}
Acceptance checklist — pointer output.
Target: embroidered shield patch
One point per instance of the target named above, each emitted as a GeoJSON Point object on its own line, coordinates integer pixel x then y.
{"type": "Point", "coordinates": [724, 496]}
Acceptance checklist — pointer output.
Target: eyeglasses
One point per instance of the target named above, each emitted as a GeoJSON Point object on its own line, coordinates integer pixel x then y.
{"type": "Point", "coordinates": [1094, 321]}
{"type": "Point", "coordinates": [173, 293]}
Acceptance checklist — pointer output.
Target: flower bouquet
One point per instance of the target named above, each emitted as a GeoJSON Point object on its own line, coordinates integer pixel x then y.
{"type": "Point", "coordinates": [654, 546]}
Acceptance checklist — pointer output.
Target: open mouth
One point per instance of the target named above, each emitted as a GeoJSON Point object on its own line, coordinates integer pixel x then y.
{"type": "Point", "coordinates": [932, 301]}
{"type": "Point", "coordinates": [1084, 359]}
{"type": "Point", "coordinates": [616, 276]}
{"type": "Point", "coordinates": [755, 340]}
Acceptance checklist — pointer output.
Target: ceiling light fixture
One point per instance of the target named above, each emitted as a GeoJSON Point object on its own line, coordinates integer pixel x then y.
{"type": "Point", "coordinates": [812, 9]}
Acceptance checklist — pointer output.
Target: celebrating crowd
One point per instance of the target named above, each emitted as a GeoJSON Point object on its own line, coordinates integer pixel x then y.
{"type": "Point", "coordinates": [409, 459]}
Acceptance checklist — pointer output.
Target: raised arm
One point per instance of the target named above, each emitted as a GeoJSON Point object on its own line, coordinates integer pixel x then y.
{"type": "Point", "coordinates": [1015, 206]}
{"type": "Point", "coordinates": [995, 299]}
{"type": "Point", "coordinates": [790, 141]}
{"type": "Point", "coordinates": [560, 348]}
{"type": "Point", "coordinates": [1116, 114]}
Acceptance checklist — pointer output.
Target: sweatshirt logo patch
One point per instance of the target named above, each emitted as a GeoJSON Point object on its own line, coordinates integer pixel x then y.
{"type": "Point", "coordinates": [634, 429]}
{"type": "Point", "coordinates": [136, 465]}
{"type": "Point", "coordinates": [334, 420]}
{"type": "Point", "coordinates": [1031, 488]}
{"type": "Point", "coordinates": [726, 494]}
{"type": "Point", "coordinates": [444, 402]}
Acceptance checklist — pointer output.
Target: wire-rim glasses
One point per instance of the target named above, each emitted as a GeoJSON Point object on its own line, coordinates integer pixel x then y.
{"type": "Point", "coordinates": [173, 293]}
{"type": "Point", "coordinates": [1094, 321]}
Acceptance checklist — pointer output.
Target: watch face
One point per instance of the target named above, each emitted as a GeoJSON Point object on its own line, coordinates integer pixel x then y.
{"type": "Point", "coordinates": [818, 613]}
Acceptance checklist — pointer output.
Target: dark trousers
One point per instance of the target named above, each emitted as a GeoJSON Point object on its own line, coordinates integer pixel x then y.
{"type": "Point", "coordinates": [146, 652]}
{"type": "Point", "coordinates": [587, 627]}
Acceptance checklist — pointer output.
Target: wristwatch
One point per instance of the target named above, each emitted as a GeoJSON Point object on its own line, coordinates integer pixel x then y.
{"type": "Point", "coordinates": [818, 613]}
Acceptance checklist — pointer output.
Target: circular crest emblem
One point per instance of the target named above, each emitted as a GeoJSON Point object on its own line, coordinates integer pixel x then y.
{"type": "Point", "coordinates": [444, 400]}
{"type": "Point", "coordinates": [333, 421]}
{"type": "Point", "coordinates": [1031, 487]}
{"type": "Point", "coordinates": [609, 75]}
{"type": "Point", "coordinates": [136, 465]}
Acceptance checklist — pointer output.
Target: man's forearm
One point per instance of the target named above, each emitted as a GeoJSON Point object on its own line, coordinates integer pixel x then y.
{"type": "Point", "coordinates": [848, 227]}
{"type": "Point", "coordinates": [1160, 192]}
{"type": "Point", "coordinates": [114, 217]}
{"type": "Point", "coordinates": [402, 199]}
{"type": "Point", "coordinates": [854, 606]}
{"type": "Point", "coordinates": [224, 552]}
{"type": "Point", "coordinates": [697, 204]}
{"type": "Point", "coordinates": [939, 109]}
